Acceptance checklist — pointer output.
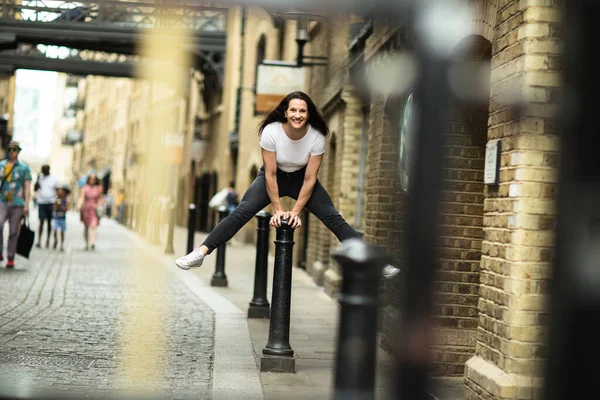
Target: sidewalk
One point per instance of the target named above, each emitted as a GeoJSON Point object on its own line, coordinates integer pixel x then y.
{"type": "Point", "coordinates": [313, 329]}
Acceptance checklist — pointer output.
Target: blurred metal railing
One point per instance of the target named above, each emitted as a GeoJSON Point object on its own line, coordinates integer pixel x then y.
{"type": "Point", "coordinates": [189, 15]}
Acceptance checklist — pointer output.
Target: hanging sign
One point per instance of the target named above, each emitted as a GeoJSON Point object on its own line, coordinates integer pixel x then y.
{"type": "Point", "coordinates": [274, 81]}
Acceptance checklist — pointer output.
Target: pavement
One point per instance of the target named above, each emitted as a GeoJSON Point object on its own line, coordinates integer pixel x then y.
{"type": "Point", "coordinates": [124, 322]}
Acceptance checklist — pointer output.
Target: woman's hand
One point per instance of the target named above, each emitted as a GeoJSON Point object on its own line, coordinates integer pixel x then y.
{"type": "Point", "coordinates": [293, 219]}
{"type": "Point", "coordinates": [277, 217]}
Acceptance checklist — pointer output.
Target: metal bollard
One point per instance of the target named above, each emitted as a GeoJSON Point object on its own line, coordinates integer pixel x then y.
{"type": "Point", "coordinates": [259, 305]}
{"type": "Point", "coordinates": [191, 227]}
{"type": "Point", "coordinates": [219, 278]}
{"type": "Point", "coordinates": [355, 366]}
{"type": "Point", "coordinates": [169, 248]}
{"type": "Point", "coordinates": [278, 355]}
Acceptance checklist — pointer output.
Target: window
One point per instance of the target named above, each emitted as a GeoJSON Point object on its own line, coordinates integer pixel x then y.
{"type": "Point", "coordinates": [406, 138]}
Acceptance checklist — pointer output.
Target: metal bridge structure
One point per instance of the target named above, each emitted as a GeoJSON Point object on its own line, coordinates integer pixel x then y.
{"type": "Point", "coordinates": [100, 37]}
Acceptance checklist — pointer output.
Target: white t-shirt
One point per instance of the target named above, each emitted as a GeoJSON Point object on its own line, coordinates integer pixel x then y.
{"type": "Point", "coordinates": [47, 191]}
{"type": "Point", "coordinates": [291, 155]}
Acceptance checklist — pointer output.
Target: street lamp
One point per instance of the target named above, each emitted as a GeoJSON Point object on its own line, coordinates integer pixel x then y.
{"type": "Point", "coordinates": [302, 37]}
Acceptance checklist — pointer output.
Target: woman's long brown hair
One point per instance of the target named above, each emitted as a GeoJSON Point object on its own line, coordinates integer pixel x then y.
{"type": "Point", "coordinates": [278, 113]}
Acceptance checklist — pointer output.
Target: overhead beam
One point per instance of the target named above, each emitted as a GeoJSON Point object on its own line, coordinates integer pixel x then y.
{"type": "Point", "coordinates": [93, 37]}
{"type": "Point", "coordinates": [9, 63]}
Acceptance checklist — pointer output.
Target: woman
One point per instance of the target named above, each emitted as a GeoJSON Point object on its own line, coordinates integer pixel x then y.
{"type": "Point", "coordinates": [90, 200]}
{"type": "Point", "coordinates": [293, 143]}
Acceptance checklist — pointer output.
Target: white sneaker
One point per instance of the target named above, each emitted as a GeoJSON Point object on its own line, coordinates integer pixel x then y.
{"type": "Point", "coordinates": [194, 259]}
{"type": "Point", "coordinates": [389, 271]}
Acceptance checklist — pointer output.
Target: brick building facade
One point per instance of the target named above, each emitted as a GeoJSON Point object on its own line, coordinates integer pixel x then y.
{"type": "Point", "coordinates": [495, 246]}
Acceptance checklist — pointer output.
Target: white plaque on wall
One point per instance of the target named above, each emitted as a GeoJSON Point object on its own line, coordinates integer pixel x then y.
{"type": "Point", "coordinates": [492, 162]}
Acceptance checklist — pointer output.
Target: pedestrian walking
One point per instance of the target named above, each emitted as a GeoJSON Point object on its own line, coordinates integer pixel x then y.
{"type": "Point", "coordinates": [232, 198]}
{"type": "Point", "coordinates": [109, 200]}
{"type": "Point", "coordinates": [45, 188]}
{"type": "Point", "coordinates": [293, 140]}
{"type": "Point", "coordinates": [90, 201]}
{"type": "Point", "coordinates": [15, 195]}
{"type": "Point", "coordinates": [120, 203]}
{"type": "Point", "coordinates": [60, 208]}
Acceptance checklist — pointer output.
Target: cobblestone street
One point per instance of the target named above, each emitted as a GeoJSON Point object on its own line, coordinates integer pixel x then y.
{"type": "Point", "coordinates": [102, 323]}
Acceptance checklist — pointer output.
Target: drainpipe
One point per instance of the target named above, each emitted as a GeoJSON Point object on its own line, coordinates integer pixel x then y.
{"type": "Point", "coordinates": [238, 109]}
{"type": "Point", "coordinates": [238, 102]}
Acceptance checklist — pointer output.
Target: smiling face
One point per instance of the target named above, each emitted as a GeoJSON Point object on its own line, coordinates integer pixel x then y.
{"type": "Point", "coordinates": [297, 113]}
{"type": "Point", "coordinates": [93, 179]}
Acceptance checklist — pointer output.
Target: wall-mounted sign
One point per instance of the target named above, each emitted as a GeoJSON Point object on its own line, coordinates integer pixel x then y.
{"type": "Point", "coordinates": [274, 80]}
{"type": "Point", "coordinates": [492, 163]}
{"type": "Point", "coordinates": [174, 148]}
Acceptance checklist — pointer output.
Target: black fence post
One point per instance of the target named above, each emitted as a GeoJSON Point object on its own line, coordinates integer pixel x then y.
{"type": "Point", "coordinates": [259, 305]}
{"type": "Point", "coordinates": [278, 355]}
{"type": "Point", "coordinates": [191, 227]}
{"type": "Point", "coordinates": [219, 278]}
{"type": "Point", "coordinates": [355, 367]}
{"type": "Point", "coordinates": [574, 301]}
{"type": "Point", "coordinates": [169, 248]}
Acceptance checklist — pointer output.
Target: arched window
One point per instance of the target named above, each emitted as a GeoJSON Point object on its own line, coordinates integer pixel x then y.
{"type": "Point", "coordinates": [253, 173]}
{"type": "Point", "coordinates": [261, 49]}
{"type": "Point", "coordinates": [260, 57]}
{"type": "Point", "coordinates": [406, 137]}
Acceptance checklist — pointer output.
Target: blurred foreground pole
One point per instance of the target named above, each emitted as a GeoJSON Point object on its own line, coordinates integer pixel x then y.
{"type": "Point", "coordinates": [155, 216]}
{"type": "Point", "coordinates": [355, 367]}
{"type": "Point", "coordinates": [259, 305]}
{"type": "Point", "coordinates": [191, 227]}
{"type": "Point", "coordinates": [163, 71]}
{"type": "Point", "coordinates": [278, 355]}
{"type": "Point", "coordinates": [219, 278]}
{"type": "Point", "coordinates": [436, 23]}
{"type": "Point", "coordinates": [169, 247]}
{"type": "Point", "coordinates": [575, 292]}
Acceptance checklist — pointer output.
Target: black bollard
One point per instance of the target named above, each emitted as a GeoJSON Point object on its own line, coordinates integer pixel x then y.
{"type": "Point", "coordinates": [219, 278]}
{"type": "Point", "coordinates": [278, 355]}
{"type": "Point", "coordinates": [259, 305]}
{"type": "Point", "coordinates": [191, 227]}
{"type": "Point", "coordinates": [355, 366]}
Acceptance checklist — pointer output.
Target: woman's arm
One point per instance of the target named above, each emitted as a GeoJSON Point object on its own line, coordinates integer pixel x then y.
{"type": "Point", "coordinates": [270, 162]}
{"type": "Point", "coordinates": [310, 178]}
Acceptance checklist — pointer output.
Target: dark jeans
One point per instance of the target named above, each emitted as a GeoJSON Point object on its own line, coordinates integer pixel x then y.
{"type": "Point", "coordinates": [45, 211]}
{"type": "Point", "coordinates": [256, 198]}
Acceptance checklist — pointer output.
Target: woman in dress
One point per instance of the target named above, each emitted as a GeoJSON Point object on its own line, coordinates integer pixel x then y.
{"type": "Point", "coordinates": [293, 140]}
{"type": "Point", "coordinates": [90, 200]}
